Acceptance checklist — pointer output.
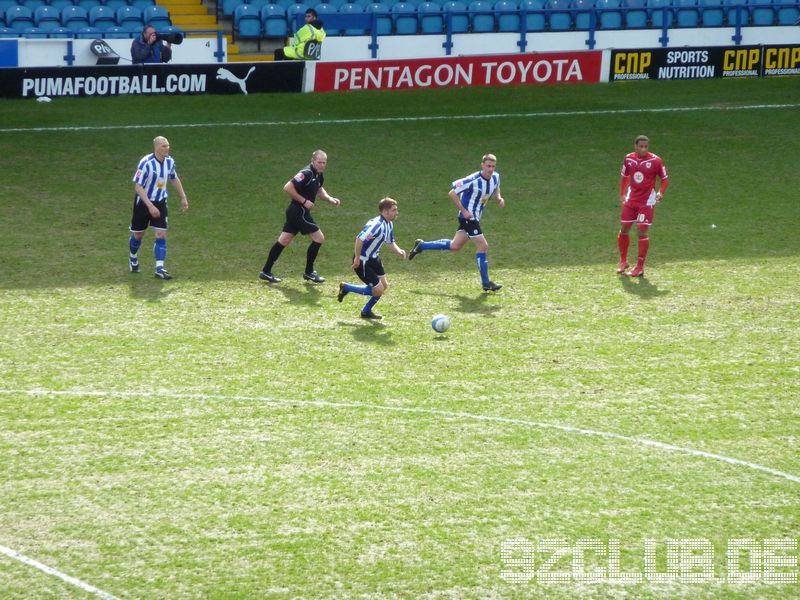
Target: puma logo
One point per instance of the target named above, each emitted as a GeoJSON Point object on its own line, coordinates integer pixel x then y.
{"type": "Point", "coordinates": [228, 76]}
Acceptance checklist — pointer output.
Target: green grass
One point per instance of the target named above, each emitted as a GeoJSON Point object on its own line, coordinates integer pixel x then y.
{"type": "Point", "coordinates": [218, 437]}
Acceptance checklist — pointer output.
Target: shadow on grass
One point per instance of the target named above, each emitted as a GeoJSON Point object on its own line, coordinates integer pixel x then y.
{"type": "Point", "coordinates": [466, 304]}
{"type": "Point", "coordinates": [143, 286]}
{"type": "Point", "coordinates": [309, 294]}
{"type": "Point", "coordinates": [641, 286]}
{"type": "Point", "coordinates": [370, 332]}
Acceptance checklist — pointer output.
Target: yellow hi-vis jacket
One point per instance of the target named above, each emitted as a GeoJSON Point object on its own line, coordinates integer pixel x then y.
{"type": "Point", "coordinates": [307, 33]}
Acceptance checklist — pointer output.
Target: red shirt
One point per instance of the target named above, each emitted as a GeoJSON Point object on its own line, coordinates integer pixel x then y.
{"type": "Point", "coordinates": [639, 178]}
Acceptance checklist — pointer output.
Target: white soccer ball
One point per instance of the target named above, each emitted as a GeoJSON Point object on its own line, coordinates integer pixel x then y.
{"type": "Point", "coordinates": [440, 323]}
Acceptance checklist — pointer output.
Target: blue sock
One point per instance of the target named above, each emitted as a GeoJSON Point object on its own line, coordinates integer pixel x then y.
{"type": "Point", "coordinates": [435, 245]}
{"type": "Point", "coordinates": [160, 251]}
{"type": "Point", "coordinates": [483, 266]}
{"type": "Point", "coordinates": [134, 245]}
{"type": "Point", "coordinates": [370, 303]}
{"type": "Point", "coordinates": [364, 290]}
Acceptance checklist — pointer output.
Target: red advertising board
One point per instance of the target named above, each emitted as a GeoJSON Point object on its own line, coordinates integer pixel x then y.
{"type": "Point", "coordinates": [461, 71]}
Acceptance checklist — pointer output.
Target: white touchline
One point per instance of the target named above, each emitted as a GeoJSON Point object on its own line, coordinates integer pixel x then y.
{"type": "Point", "coordinates": [529, 115]}
{"type": "Point", "coordinates": [51, 571]}
{"type": "Point", "coordinates": [426, 411]}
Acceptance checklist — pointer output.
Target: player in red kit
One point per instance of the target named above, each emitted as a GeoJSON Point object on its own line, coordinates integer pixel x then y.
{"type": "Point", "coordinates": [638, 197]}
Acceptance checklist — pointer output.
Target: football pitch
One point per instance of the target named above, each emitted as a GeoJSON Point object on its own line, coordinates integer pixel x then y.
{"type": "Point", "coordinates": [576, 434]}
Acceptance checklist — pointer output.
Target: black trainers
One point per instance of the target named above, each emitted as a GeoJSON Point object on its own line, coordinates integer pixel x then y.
{"type": "Point", "coordinates": [370, 315]}
{"type": "Point", "coordinates": [491, 287]}
{"type": "Point", "coordinates": [133, 263]}
{"type": "Point", "coordinates": [342, 292]}
{"type": "Point", "coordinates": [415, 250]}
{"type": "Point", "coordinates": [313, 277]}
{"type": "Point", "coordinates": [269, 277]}
{"type": "Point", "coordinates": [161, 273]}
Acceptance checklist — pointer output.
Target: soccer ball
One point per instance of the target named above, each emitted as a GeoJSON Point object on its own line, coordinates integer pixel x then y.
{"type": "Point", "coordinates": [440, 323]}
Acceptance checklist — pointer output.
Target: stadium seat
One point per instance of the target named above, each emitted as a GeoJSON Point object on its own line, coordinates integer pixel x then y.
{"type": "Point", "coordinates": [405, 18]}
{"type": "Point", "coordinates": [87, 33]}
{"type": "Point", "coordinates": [328, 9]}
{"type": "Point", "coordinates": [459, 23]}
{"type": "Point", "coordinates": [259, 4]}
{"type": "Point", "coordinates": [113, 4]}
{"type": "Point", "coordinates": [33, 33]}
{"type": "Point", "coordinates": [157, 16]}
{"type": "Point", "coordinates": [60, 33]}
{"type": "Point", "coordinates": [116, 33]}
{"type": "Point", "coordinates": [60, 4]}
{"type": "Point", "coordinates": [481, 16]}
{"type": "Point", "coordinates": [4, 5]}
{"type": "Point", "coordinates": [129, 14]}
{"type": "Point", "coordinates": [85, 4]}
{"type": "Point", "coordinates": [660, 12]}
{"type": "Point", "coordinates": [228, 6]}
{"type": "Point", "coordinates": [102, 17]}
{"type": "Point", "coordinates": [284, 3]}
{"type": "Point", "coordinates": [609, 15]}
{"type": "Point", "coordinates": [712, 13]}
{"type": "Point", "coordinates": [788, 15]}
{"type": "Point", "coordinates": [46, 17]}
{"type": "Point", "coordinates": [142, 3]}
{"type": "Point", "coordinates": [732, 7]}
{"type": "Point", "coordinates": [247, 22]}
{"type": "Point", "coordinates": [133, 27]}
{"type": "Point", "coordinates": [33, 4]}
{"type": "Point", "coordinates": [560, 15]}
{"type": "Point", "coordinates": [762, 13]}
{"type": "Point", "coordinates": [383, 23]}
{"type": "Point", "coordinates": [19, 18]}
{"type": "Point", "coordinates": [74, 17]}
{"type": "Point", "coordinates": [273, 21]}
{"type": "Point", "coordinates": [687, 13]}
{"type": "Point", "coordinates": [351, 8]}
{"type": "Point", "coordinates": [583, 14]}
{"type": "Point", "coordinates": [534, 20]}
{"type": "Point", "coordinates": [507, 15]}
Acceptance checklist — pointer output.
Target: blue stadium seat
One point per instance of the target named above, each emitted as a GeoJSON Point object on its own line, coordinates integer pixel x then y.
{"type": "Point", "coordinates": [762, 13]}
{"type": "Point", "coordinates": [5, 33]}
{"type": "Point", "coordinates": [228, 6]}
{"type": "Point", "coordinates": [273, 21]}
{"type": "Point", "coordinates": [59, 33]}
{"type": "Point", "coordinates": [534, 21]}
{"type": "Point", "coordinates": [87, 4]}
{"type": "Point", "coordinates": [157, 16]}
{"type": "Point", "coordinates": [335, 3]}
{"type": "Point", "coordinates": [284, 3]}
{"type": "Point", "coordinates": [132, 27]}
{"type": "Point", "coordinates": [712, 13]}
{"type": "Point", "coordinates": [34, 33]}
{"type": "Point", "coordinates": [431, 17]}
{"type": "Point", "coordinates": [610, 14]}
{"type": "Point", "coordinates": [113, 4]}
{"type": "Point", "coordinates": [459, 23]}
{"type": "Point", "coordinates": [687, 13]}
{"type": "Point", "coordinates": [5, 4]}
{"type": "Point", "coordinates": [116, 33]}
{"type": "Point", "coordinates": [298, 8]}
{"type": "Point", "coordinates": [19, 18]}
{"type": "Point", "coordinates": [788, 15]}
{"type": "Point", "coordinates": [46, 17]}
{"type": "Point", "coordinates": [247, 22]}
{"type": "Point", "coordinates": [87, 33]}
{"type": "Point", "coordinates": [583, 15]}
{"type": "Point", "coordinates": [142, 3]}
{"type": "Point", "coordinates": [74, 17]}
{"type": "Point", "coordinates": [322, 11]}
{"type": "Point", "coordinates": [560, 15]}
{"type": "Point", "coordinates": [481, 16]}
{"type": "Point", "coordinates": [732, 7]}
{"type": "Point", "coordinates": [351, 8]}
{"type": "Point", "coordinates": [60, 4]}
{"type": "Point", "coordinates": [33, 4]}
{"type": "Point", "coordinates": [660, 12]}
{"type": "Point", "coordinates": [405, 18]}
{"type": "Point", "coordinates": [102, 17]}
{"type": "Point", "coordinates": [259, 4]}
{"type": "Point", "coordinates": [383, 24]}
{"type": "Point", "coordinates": [129, 14]}
{"type": "Point", "coordinates": [507, 15]}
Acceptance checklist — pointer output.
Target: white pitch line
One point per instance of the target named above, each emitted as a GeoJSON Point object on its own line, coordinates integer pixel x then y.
{"type": "Point", "coordinates": [51, 571]}
{"type": "Point", "coordinates": [528, 115]}
{"type": "Point", "coordinates": [428, 411]}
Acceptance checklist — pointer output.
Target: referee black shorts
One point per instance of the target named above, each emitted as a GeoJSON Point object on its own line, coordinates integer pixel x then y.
{"type": "Point", "coordinates": [299, 220]}
{"type": "Point", "coordinates": [370, 271]}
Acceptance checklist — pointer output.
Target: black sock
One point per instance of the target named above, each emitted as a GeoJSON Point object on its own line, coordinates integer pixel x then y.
{"type": "Point", "coordinates": [274, 253]}
{"type": "Point", "coordinates": [311, 256]}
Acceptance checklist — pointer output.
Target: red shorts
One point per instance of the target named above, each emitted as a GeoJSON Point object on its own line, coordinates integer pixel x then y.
{"type": "Point", "coordinates": [640, 214]}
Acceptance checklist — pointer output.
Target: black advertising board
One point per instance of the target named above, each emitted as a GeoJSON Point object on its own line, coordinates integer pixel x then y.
{"type": "Point", "coordinates": [686, 63]}
{"type": "Point", "coordinates": [781, 60]}
{"type": "Point", "coordinates": [227, 78]}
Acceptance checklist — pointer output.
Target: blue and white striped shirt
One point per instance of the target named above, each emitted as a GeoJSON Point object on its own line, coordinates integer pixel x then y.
{"type": "Point", "coordinates": [376, 232]}
{"type": "Point", "coordinates": [153, 175]}
{"type": "Point", "coordinates": [475, 191]}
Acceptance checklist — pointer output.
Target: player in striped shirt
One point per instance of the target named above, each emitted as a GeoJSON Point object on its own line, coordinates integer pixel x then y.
{"type": "Point", "coordinates": [470, 195]}
{"type": "Point", "coordinates": [638, 198]}
{"type": "Point", "coordinates": [150, 204]}
{"type": "Point", "coordinates": [367, 260]}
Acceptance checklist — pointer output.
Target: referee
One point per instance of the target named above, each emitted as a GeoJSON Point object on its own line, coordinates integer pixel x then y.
{"type": "Point", "coordinates": [303, 189]}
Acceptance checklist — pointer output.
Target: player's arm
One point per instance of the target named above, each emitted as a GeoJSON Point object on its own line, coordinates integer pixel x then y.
{"type": "Point", "coordinates": [176, 183]}
{"type": "Point", "coordinates": [397, 249]}
{"type": "Point", "coordinates": [357, 252]}
{"type": "Point", "coordinates": [151, 208]}
{"type": "Point", "coordinates": [290, 189]}
{"type": "Point", "coordinates": [500, 200]}
{"type": "Point", "coordinates": [664, 183]}
{"type": "Point", "coordinates": [457, 201]}
{"type": "Point", "coordinates": [321, 193]}
{"type": "Point", "coordinates": [624, 181]}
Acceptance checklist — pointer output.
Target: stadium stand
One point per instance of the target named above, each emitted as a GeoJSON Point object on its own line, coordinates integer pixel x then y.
{"type": "Point", "coordinates": [46, 17]}
{"type": "Point", "coordinates": [534, 16]}
{"type": "Point", "coordinates": [712, 13]}
{"type": "Point", "coordinates": [353, 8]}
{"type": "Point", "coordinates": [560, 15]}
{"type": "Point", "coordinates": [456, 19]}
{"type": "Point", "coordinates": [383, 24]}
{"type": "Point", "coordinates": [481, 16]}
{"type": "Point", "coordinates": [273, 21]}
{"type": "Point", "coordinates": [405, 18]}
{"type": "Point", "coordinates": [660, 12]}
{"type": "Point", "coordinates": [507, 15]}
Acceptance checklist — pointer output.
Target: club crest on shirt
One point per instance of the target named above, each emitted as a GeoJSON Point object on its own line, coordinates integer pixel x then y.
{"type": "Point", "coordinates": [299, 177]}
{"type": "Point", "coordinates": [138, 173]}
{"type": "Point", "coordinates": [638, 177]}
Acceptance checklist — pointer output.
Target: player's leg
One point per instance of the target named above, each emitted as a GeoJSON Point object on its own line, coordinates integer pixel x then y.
{"type": "Point", "coordinates": [626, 219]}
{"type": "Point", "coordinates": [482, 261]}
{"type": "Point", "coordinates": [643, 223]}
{"type": "Point", "coordinates": [160, 253]}
{"type": "Point", "coordinates": [366, 274]}
{"type": "Point", "coordinates": [140, 219]}
{"type": "Point", "coordinates": [317, 239]}
{"type": "Point", "coordinates": [377, 278]}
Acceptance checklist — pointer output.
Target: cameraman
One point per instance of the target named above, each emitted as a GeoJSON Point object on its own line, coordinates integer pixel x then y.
{"type": "Point", "coordinates": [147, 48]}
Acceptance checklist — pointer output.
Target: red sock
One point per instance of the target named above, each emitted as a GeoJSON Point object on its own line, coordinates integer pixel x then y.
{"type": "Point", "coordinates": [644, 244]}
{"type": "Point", "coordinates": [623, 240]}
